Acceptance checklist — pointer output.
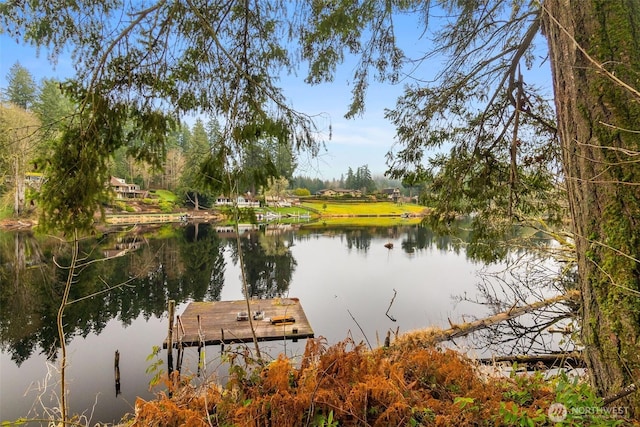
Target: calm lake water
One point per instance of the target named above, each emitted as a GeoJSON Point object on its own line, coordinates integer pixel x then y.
{"type": "Point", "coordinates": [344, 277]}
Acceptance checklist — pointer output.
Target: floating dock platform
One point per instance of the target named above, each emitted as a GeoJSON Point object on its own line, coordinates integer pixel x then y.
{"type": "Point", "coordinates": [226, 322]}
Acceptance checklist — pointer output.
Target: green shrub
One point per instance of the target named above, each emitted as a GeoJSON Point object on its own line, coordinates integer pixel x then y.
{"type": "Point", "coordinates": [166, 206]}
{"type": "Point", "coordinates": [302, 192]}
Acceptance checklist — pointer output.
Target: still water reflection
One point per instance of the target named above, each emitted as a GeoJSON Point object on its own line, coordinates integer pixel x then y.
{"type": "Point", "coordinates": [345, 279]}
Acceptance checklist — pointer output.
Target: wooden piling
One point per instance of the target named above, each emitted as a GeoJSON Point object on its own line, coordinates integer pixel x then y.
{"type": "Point", "coordinates": [116, 371]}
{"type": "Point", "coordinates": [179, 345]}
{"type": "Point", "coordinates": [172, 309]}
{"type": "Point", "coordinates": [200, 348]}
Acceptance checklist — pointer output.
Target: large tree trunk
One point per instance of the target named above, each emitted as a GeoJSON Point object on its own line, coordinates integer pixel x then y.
{"type": "Point", "coordinates": [19, 194]}
{"type": "Point", "coordinates": [593, 111]}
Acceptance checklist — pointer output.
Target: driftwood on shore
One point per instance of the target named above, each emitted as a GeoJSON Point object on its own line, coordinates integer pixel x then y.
{"type": "Point", "coordinates": [433, 335]}
{"type": "Point", "coordinates": [571, 359]}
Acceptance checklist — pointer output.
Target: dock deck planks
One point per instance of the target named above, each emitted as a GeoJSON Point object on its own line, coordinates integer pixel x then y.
{"type": "Point", "coordinates": [219, 317]}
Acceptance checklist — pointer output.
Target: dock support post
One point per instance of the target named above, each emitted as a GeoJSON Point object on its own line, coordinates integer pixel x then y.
{"type": "Point", "coordinates": [201, 360]}
{"type": "Point", "coordinates": [116, 371]}
{"type": "Point", "coordinates": [179, 346]}
{"type": "Point", "coordinates": [172, 308]}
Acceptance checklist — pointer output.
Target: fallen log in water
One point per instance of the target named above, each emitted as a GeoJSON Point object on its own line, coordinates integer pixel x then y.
{"type": "Point", "coordinates": [433, 335]}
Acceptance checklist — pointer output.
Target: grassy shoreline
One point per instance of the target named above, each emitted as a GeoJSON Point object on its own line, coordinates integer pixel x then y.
{"type": "Point", "coordinates": [330, 212]}
{"type": "Point", "coordinates": [326, 208]}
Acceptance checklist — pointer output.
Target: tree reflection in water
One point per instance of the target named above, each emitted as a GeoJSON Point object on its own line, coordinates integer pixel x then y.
{"type": "Point", "coordinates": [138, 275]}
{"type": "Point", "coordinates": [268, 261]}
{"type": "Point", "coordinates": [147, 267]}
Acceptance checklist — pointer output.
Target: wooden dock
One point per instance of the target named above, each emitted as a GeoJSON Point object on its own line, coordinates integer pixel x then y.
{"type": "Point", "coordinates": [212, 323]}
{"type": "Point", "coordinates": [145, 218]}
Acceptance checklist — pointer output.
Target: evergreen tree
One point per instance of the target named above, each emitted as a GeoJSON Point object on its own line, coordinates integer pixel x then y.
{"type": "Point", "coordinates": [350, 181]}
{"type": "Point", "coordinates": [21, 87]}
{"type": "Point", "coordinates": [365, 179]}
{"type": "Point", "coordinates": [51, 105]}
{"type": "Point", "coordinates": [197, 148]}
{"type": "Point", "coordinates": [312, 184]}
{"type": "Point", "coordinates": [54, 110]}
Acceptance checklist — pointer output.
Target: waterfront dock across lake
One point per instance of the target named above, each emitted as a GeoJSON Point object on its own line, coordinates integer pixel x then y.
{"type": "Point", "coordinates": [146, 218]}
{"type": "Point", "coordinates": [225, 322]}
{"type": "Point", "coordinates": [160, 218]}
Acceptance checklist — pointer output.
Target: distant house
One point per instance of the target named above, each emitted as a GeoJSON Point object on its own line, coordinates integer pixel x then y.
{"type": "Point", "coordinates": [224, 201]}
{"type": "Point", "coordinates": [33, 179]}
{"type": "Point", "coordinates": [125, 190]}
{"type": "Point", "coordinates": [242, 202]}
{"type": "Point", "coordinates": [327, 192]}
{"type": "Point", "coordinates": [391, 193]}
{"type": "Point", "coordinates": [282, 202]}
{"type": "Point", "coordinates": [338, 192]}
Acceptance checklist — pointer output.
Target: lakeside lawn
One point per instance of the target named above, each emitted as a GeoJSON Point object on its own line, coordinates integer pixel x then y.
{"type": "Point", "coordinates": [324, 213]}
{"type": "Point", "coordinates": [362, 221]}
{"type": "Point", "coordinates": [166, 195]}
{"type": "Point", "coordinates": [328, 208]}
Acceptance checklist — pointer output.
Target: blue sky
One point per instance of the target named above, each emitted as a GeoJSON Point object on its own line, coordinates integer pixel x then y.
{"type": "Point", "coordinates": [356, 142]}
